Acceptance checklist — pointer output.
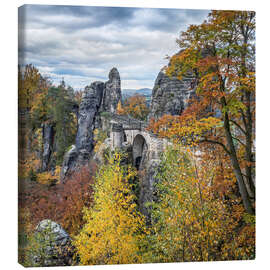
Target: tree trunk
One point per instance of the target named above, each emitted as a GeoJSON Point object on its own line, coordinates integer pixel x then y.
{"type": "Point", "coordinates": [236, 167]}
{"type": "Point", "coordinates": [248, 148]}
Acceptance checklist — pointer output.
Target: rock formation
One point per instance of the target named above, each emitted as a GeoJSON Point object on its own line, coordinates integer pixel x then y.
{"type": "Point", "coordinates": [52, 245]}
{"type": "Point", "coordinates": [98, 97]}
{"type": "Point", "coordinates": [112, 92]}
{"type": "Point", "coordinates": [148, 186]}
{"type": "Point", "coordinates": [47, 137]}
{"type": "Point", "coordinates": [170, 95]}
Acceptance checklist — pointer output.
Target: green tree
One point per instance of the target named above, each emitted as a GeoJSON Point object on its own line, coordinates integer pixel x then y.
{"type": "Point", "coordinates": [60, 113]}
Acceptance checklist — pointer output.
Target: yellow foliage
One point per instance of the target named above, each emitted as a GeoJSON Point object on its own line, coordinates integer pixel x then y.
{"type": "Point", "coordinates": [47, 178]}
{"type": "Point", "coordinates": [191, 220]}
{"type": "Point", "coordinates": [113, 226]}
{"type": "Point", "coordinates": [119, 109]}
{"type": "Point", "coordinates": [27, 86]}
{"type": "Point", "coordinates": [99, 137]}
{"type": "Point", "coordinates": [28, 166]}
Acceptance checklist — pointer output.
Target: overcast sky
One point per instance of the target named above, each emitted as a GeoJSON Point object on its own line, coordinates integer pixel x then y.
{"type": "Point", "coordinates": [82, 44]}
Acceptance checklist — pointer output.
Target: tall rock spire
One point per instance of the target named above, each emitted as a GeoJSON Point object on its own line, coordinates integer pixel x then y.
{"type": "Point", "coordinates": [96, 98]}
{"type": "Point", "coordinates": [112, 92]}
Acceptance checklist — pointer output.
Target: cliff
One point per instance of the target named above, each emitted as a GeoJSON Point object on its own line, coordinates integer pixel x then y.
{"type": "Point", "coordinates": [170, 95]}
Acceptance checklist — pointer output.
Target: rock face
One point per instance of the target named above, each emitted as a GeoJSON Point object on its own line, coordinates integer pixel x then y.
{"type": "Point", "coordinates": [170, 95]}
{"type": "Point", "coordinates": [112, 92]}
{"type": "Point", "coordinates": [147, 186]}
{"type": "Point", "coordinates": [52, 245]}
{"type": "Point", "coordinates": [98, 97]}
{"type": "Point", "coordinates": [47, 137]}
{"type": "Point", "coordinates": [91, 101]}
{"type": "Point", "coordinates": [69, 162]}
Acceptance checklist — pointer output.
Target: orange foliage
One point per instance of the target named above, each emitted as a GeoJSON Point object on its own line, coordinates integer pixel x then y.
{"type": "Point", "coordinates": [135, 106]}
{"type": "Point", "coordinates": [198, 217]}
{"type": "Point", "coordinates": [220, 53]}
{"type": "Point", "coordinates": [62, 203]}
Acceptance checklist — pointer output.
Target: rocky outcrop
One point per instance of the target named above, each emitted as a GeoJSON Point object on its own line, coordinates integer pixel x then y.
{"type": "Point", "coordinates": [89, 107]}
{"type": "Point", "coordinates": [148, 183]}
{"type": "Point", "coordinates": [98, 97]}
{"type": "Point", "coordinates": [52, 245]}
{"type": "Point", "coordinates": [170, 95]}
{"type": "Point", "coordinates": [47, 137]}
{"type": "Point", "coordinates": [69, 162]}
{"type": "Point", "coordinates": [80, 153]}
{"type": "Point", "coordinates": [112, 92]}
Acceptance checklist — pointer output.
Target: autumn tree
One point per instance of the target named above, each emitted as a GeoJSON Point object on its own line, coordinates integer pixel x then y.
{"type": "Point", "coordinates": [114, 227]}
{"type": "Point", "coordinates": [32, 91]}
{"type": "Point", "coordinates": [42, 103]}
{"type": "Point", "coordinates": [62, 202]}
{"type": "Point", "coordinates": [119, 109]}
{"type": "Point", "coordinates": [28, 84]}
{"type": "Point", "coordinates": [135, 106]}
{"type": "Point", "coordinates": [190, 221]}
{"type": "Point", "coordinates": [220, 53]}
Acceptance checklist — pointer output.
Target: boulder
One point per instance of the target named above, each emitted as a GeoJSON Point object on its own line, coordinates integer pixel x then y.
{"type": "Point", "coordinates": [52, 245]}
{"type": "Point", "coordinates": [69, 162]}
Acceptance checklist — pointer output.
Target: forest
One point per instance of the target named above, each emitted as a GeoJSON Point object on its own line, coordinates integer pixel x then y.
{"type": "Point", "coordinates": [204, 195]}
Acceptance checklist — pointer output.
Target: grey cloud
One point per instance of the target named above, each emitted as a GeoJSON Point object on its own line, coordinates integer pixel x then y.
{"type": "Point", "coordinates": [100, 16]}
{"type": "Point", "coordinates": [84, 43]}
{"type": "Point", "coordinates": [75, 17]}
{"type": "Point", "coordinates": [169, 20]}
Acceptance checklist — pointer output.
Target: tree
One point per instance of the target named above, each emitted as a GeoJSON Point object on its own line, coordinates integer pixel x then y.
{"type": "Point", "coordinates": [32, 92]}
{"type": "Point", "coordinates": [28, 83]}
{"type": "Point", "coordinates": [61, 202]}
{"type": "Point", "coordinates": [220, 53]}
{"type": "Point", "coordinates": [40, 103]}
{"type": "Point", "coordinates": [190, 221]}
{"type": "Point", "coordinates": [134, 106]}
{"type": "Point", "coordinates": [114, 227]}
{"type": "Point", "coordinates": [60, 113]}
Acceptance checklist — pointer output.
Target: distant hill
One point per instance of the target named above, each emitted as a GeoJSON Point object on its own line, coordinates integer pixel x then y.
{"type": "Point", "coordinates": [132, 92]}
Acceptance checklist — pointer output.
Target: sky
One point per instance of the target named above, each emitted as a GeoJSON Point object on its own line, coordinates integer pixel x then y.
{"type": "Point", "coordinates": [81, 43]}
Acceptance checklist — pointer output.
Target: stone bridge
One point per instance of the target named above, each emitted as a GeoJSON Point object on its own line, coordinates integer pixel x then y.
{"type": "Point", "coordinates": [129, 133]}
{"type": "Point", "coordinates": [146, 146]}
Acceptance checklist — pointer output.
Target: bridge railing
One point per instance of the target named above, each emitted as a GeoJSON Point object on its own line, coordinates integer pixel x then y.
{"type": "Point", "coordinates": [130, 123]}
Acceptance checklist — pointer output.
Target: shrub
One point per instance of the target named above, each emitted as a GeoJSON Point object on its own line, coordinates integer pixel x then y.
{"type": "Point", "coordinates": [49, 178]}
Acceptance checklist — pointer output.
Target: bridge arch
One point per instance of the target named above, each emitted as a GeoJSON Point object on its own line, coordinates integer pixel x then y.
{"type": "Point", "coordinates": [139, 151]}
